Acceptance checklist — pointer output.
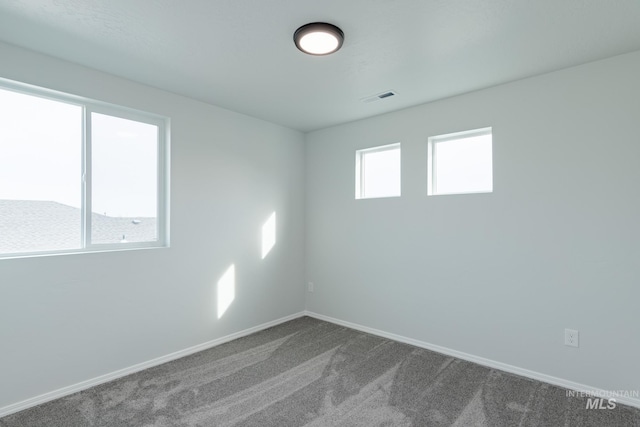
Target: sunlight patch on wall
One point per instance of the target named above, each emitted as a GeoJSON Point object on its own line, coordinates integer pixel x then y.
{"type": "Point", "coordinates": [226, 290]}
{"type": "Point", "coordinates": [268, 235]}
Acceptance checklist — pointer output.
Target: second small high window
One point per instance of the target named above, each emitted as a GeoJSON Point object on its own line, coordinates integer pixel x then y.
{"type": "Point", "coordinates": [460, 163]}
{"type": "Point", "coordinates": [378, 172]}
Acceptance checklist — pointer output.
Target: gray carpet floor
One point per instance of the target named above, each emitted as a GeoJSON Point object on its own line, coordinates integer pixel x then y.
{"type": "Point", "coordinates": [312, 373]}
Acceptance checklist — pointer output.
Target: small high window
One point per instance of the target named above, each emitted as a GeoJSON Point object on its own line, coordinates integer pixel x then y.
{"type": "Point", "coordinates": [378, 172]}
{"type": "Point", "coordinates": [460, 163]}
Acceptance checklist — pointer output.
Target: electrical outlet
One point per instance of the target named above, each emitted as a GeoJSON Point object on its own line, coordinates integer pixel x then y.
{"type": "Point", "coordinates": [571, 338]}
{"type": "Point", "coordinates": [310, 286]}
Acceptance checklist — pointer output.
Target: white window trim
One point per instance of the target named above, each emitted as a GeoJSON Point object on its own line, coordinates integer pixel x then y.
{"type": "Point", "coordinates": [360, 168]}
{"type": "Point", "coordinates": [432, 161]}
{"type": "Point", "coordinates": [93, 106]}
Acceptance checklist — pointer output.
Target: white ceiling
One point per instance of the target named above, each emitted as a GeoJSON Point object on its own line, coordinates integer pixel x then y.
{"type": "Point", "coordinates": [239, 54]}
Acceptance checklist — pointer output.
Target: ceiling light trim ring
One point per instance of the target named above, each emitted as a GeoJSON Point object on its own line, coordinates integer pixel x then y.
{"type": "Point", "coordinates": [322, 28]}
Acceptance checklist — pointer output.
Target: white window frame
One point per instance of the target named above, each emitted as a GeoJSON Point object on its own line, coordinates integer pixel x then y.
{"type": "Point", "coordinates": [432, 158]}
{"type": "Point", "coordinates": [90, 106]}
{"type": "Point", "coordinates": [360, 170]}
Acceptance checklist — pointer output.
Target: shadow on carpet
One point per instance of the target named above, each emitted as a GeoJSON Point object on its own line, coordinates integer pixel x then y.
{"type": "Point", "coordinates": [307, 372]}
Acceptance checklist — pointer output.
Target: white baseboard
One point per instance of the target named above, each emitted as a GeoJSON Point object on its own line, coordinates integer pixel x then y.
{"type": "Point", "coordinates": [592, 391]}
{"type": "Point", "coordinates": [65, 391]}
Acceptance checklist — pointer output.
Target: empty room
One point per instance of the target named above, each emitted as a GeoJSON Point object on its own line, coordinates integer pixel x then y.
{"type": "Point", "coordinates": [297, 213]}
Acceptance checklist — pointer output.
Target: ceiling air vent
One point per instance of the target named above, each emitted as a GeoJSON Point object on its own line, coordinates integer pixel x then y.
{"type": "Point", "coordinates": [378, 96]}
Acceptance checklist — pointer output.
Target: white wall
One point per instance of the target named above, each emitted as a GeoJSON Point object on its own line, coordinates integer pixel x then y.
{"type": "Point", "coordinates": [66, 319]}
{"type": "Point", "coordinates": [500, 275]}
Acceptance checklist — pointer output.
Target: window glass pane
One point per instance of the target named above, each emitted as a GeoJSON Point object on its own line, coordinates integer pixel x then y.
{"type": "Point", "coordinates": [381, 173]}
{"type": "Point", "coordinates": [40, 171]}
{"type": "Point", "coordinates": [463, 165]}
{"type": "Point", "coordinates": [124, 164]}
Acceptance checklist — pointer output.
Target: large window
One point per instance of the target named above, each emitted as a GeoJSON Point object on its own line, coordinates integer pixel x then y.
{"type": "Point", "coordinates": [461, 163]}
{"type": "Point", "coordinates": [78, 175]}
{"type": "Point", "coordinates": [378, 172]}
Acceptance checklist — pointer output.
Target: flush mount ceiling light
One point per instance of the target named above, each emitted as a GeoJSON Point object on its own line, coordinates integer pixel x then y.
{"type": "Point", "coordinates": [318, 38]}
